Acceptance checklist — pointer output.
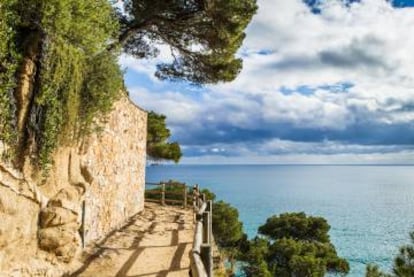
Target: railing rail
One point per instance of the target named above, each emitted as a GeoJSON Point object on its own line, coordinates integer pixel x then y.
{"type": "Point", "coordinates": [201, 256]}
{"type": "Point", "coordinates": [168, 193]}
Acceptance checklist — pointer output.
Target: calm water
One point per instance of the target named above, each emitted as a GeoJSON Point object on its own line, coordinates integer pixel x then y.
{"type": "Point", "coordinates": [370, 208]}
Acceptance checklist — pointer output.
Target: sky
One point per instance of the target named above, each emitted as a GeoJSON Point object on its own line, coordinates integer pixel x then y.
{"type": "Point", "coordinates": [323, 82]}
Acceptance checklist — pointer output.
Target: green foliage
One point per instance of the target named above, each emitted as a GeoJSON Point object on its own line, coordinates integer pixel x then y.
{"type": "Point", "coordinates": [165, 151]}
{"type": "Point", "coordinates": [374, 271]}
{"type": "Point", "coordinates": [157, 128]}
{"type": "Point", "coordinates": [158, 148]}
{"type": "Point", "coordinates": [203, 35]}
{"type": "Point", "coordinates": [86, 25]}
{"type": "Point", "coordinates": [79, 80]}
{"type": "Point", "coordinates": [209, 194]}
{"type": "Point", "coordinates": [293, 245]}
{"type": "Point", "coordinates": [297, 226]}
{"type": "Point", "coordinates": [304, 258]}
{"type": "Point", "coordinates": [57, 101]}
{"type": "Point", "coordinates": [101, 88]}
{"type": "Point", "coordinates": [255, 255]}
{"type": "Point", "coordinates": [227, 228]}
{"type": "Point", "coordinates": [9, 59]}
{"type": "Point", "coordinates": [76, 78]}
{"type": "Point", "coordinates": [403, 263]}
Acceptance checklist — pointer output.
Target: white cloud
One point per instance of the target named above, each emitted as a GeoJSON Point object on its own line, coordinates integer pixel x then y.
{"type": "Point", "coordinates": [373, 35]}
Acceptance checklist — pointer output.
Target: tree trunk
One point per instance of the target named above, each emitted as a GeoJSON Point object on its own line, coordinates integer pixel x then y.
{"type": "Point", "coordinates": [26, 84]}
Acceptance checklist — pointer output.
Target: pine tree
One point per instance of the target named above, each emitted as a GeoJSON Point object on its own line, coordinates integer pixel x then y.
{"type": "Point", "coordinates": [158, 147]}
{"type": "Point", "coordinates": [203, 35]}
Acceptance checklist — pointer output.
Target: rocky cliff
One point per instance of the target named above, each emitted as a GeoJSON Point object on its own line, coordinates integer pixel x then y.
{"type": "Point", "coordinates": [91, 189]}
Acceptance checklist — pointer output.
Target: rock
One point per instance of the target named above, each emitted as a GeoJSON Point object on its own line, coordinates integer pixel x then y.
{"type": "Point", "coordinates": [63, 241]}
{"type": "Point", "coordinates": [56, 216]}
{"type": "Point", "coordinates": [60, 224]}
{"type": "Point", "coordinates": [67, 252]}
{"type": "Point", "coordinates": [70, 193]}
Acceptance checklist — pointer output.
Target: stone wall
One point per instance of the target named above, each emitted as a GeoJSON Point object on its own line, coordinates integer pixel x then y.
{"type": "Point", "coordinates": [115, 165]}
{"type": "Point", "coordinates": [41, 222]}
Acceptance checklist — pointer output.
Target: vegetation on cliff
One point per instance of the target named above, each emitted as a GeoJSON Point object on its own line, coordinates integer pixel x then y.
{"type": "Point", "coordinates": [58, 60]}
{"type": "Point", "coordinates": [55, 67]}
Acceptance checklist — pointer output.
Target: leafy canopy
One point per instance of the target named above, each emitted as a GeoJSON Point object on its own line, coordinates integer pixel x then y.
{"type": "Point", "coordinates": [293, 245]}
{"type": "Point", "coordinates": [296, 226]}
{"type": "Point", "coordinates": [227, 228]}
{"type": "Point", "coordinates": [158, 147]}
{"type": "Point", "coordinates": [203, 36]}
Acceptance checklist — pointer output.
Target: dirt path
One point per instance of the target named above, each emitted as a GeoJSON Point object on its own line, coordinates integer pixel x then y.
{"type": "Point", "coordinates": [155, 243]}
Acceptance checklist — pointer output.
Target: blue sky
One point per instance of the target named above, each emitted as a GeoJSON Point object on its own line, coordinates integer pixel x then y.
{"type": "Point", "coordinates": [322, 82]}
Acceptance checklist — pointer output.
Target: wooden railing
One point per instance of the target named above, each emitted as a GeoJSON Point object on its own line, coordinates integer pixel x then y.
{"type": "Point", "coordinates": [168, 193]}
{"type": "Point", "coordinates": [201, 256]}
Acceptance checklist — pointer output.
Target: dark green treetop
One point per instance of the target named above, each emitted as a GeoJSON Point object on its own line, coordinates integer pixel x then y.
{"type": "Point", "coordinates": [158, 147]}
{"type": "Point", "coordinates": [296, 226]}
{"type": "Point", "coordinates": [293, 244]}
{"type": "Point", "coordinates": [203, 35]}
{"type": "Point", "coordinates": [227, 228]}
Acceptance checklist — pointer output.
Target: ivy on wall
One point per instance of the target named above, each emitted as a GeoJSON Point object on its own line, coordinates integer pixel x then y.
{"type": "Point", "coordinates": [9, 60]}
{"type": "Point", "coordinates": [77, 79]}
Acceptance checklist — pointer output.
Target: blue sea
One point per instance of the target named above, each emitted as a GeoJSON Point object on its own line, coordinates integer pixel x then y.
{"type": "Point", "coordinates": [370, 208]}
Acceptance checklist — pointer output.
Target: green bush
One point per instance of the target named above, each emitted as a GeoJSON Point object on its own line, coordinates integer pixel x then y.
{"type": "Point", "coordinates": [293, 244]}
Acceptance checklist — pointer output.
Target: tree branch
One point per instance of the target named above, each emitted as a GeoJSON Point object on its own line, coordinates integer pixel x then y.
{"type": "Point", "coordinates": [128, 32]}
{"type": "Point", "coordinates": [135, 27]}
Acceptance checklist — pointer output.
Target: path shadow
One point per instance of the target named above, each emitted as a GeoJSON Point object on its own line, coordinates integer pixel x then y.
{"type": "Point", "coordinates": [102, 248]}
{"type": "Point", "coordinates": [175, 261]}
{"type": "Point", "coordinates": [175, 264]}
{"type": "Point", "coordinates": [134, 256]}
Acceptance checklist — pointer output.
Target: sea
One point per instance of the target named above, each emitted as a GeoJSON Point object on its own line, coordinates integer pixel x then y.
{"type": "Point", "coordinates": [370, 208]}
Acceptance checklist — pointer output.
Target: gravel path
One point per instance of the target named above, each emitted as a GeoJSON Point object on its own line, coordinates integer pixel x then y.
{"type": "Point", "coordinates": [155, 243]}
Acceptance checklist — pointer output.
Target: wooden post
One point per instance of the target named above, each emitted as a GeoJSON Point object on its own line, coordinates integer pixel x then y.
{"type": "Point", "coordinates": [83, 223]}
{"type": "Point", "coordinates": [194, 204]}
{"type": "Point", "coordinates": [185, 196]}
{"type": "Point", "coordinates": [197, 196]}
{"type": "Point", "coordinates": [207, 258]}
{"type": "Point", "coordinates": [206, 227]}
{"type": "Point", "coordinates": [163, 194]}
{"type": "Point", "coordinates": [210, 222]}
